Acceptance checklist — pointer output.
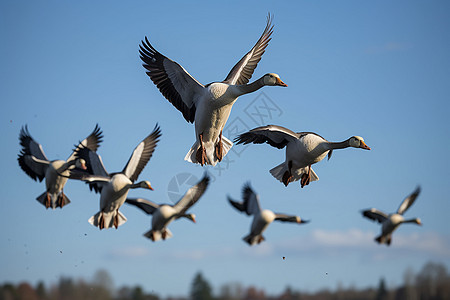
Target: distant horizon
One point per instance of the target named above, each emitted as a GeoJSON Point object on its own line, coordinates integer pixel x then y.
{"type": "Point", "coordinates": [108, 280]}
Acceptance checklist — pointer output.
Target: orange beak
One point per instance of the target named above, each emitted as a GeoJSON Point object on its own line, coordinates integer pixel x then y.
{"type": "Point", "coordinates": [150, 187]}
{"type": "Point", "coordinates": [83, 166]}
{"type": "Point", "coordinates": [364, 146]}
{"type": "Point", "coordinates": [281, 83]}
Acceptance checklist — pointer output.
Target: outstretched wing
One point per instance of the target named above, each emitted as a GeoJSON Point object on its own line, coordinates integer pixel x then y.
{"type": "Point", "coordinates": [32, 159]}
{"type": "Point", "coordinates": [289, 218]}
{"type": "Point", "coordinates": [146, 205]}
{"type": "Point", "coordinates": [192, 195]}
{"type": "Point", "coordinates": [408, 201]}
{"type": "Point", "coordinates": [94, 167]}
{"type": "Point", "coordinates": [243, 70]}
{"type": "Point", "coordinates": [250, 203]}
{"type": "Point", "coordinates": [375, 215]}
{"type": "Point", "coordinates": [276, 136]}
{"type": "Point", "coordinates": [142, 154]}
{"type": "Point", "coordinates": [92, 141]}
{"type": "Point", "coordinates": [172, 80]}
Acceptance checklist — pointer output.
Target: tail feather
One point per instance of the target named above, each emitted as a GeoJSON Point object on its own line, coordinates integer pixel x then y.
{"type": "Point", "coordinates": [279, 171]}
{"type": "Point", "coordinates": [211, 158]}
{"type": "Point", "coordinates": [56, 200]}
{"type": "Point", "coordinates": [62, 200]}
{"type": "Point", "coordinates": [384, 239]}
{"type": "Point", "coordinates": [253, 239]}
{"type": "Point", "coordinates": [156, 235]}
{"type": "Point", "coordinates": [43, 199]}
{"type": "Point", "coordinates": [105, 220]}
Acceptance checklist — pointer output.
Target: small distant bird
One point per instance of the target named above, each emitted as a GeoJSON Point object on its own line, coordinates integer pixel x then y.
{"type": "Point", "coordinates": [114, 187]}
{"type": "Point", "coordinates": [302, 150]}
{"type": "Point", "coordinates": [390, 222]}
{"type": "Point", "coordinates": [208, 106]}
{"type": "Point", "coordinates": [261, 218]}
{"type": "Point", "coordinates": [164, 214]}
{"type": "Point", "coordinates": [35, 164]}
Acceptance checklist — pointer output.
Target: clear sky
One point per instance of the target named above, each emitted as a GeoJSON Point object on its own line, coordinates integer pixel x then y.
{"type": "Point", "coordinates": [380, 70]}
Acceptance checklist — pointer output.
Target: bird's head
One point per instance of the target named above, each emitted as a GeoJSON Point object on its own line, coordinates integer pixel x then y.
{"type": "Point", "coordinates": [273, 79]}
{"type": "Point", "coordinates": [358, 142]}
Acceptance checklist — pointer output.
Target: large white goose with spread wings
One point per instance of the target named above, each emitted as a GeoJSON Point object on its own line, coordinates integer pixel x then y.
{"type": "Point", "coordinates": [261, 217]}
{"type": "Point", "coordinates": [208, 106]}
{"type": "Point", "coordinates": [302, 150]}
{"type": "Point", "coordinates": [114, 187]}
{"type": "Point", "coordinates": [390, 222]}
{"type": "Point", "coordinates": [35, 164]}
{"type": "Point", "coordinates": [164, 214]}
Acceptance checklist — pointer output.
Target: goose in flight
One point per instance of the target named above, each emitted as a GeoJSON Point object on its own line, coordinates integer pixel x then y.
{"type": "Point", "coordinates": [35, 164]}
{"type": "Point", "coordinates": [302, 150]}
{"type": "Point", "coordinates": [390, 222]}
{"type": "Point", "coordinates": [207, 106]}
{"type": "Point", "coordinates": [261, 217]}
{"type": "Point", "coordinates": [165, 213]}
{"type": "Point", "coordinates": [114, 187]}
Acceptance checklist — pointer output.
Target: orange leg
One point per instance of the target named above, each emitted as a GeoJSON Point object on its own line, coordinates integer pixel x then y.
{"type": "Point", "coordinates": [201, 152]}
{"type": "Point", "coordinates": [116, 219]}
{"type": "Point", "coordinates": [219, 148]}
{"type": "Point", "coordinates": [287, 176]}
{"type": "Point", "coordinates": [101, 224]}
{"type": "Point", "coordinates": [306, 178]}
{"type": "Point", "coordinates": [60, 202]}
{"type": "Point", "coordinates": [48, 202]}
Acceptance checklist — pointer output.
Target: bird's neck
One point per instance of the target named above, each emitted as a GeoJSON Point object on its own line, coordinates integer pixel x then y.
{"type": "Point", "coordinates": [338, 145]}
{"type": "Point", "coordinates": [251, 87]}
{"type": "Point", "coordinates": [134, 185]}
{"type": "Point", "coordinates": [410, 221]}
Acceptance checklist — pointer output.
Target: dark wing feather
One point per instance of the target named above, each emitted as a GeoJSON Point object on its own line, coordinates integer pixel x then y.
{"type": "Point", "coordinates": [92, 141]}
{"type": "Point", "coordinates": [288, 218]}
{"type": "Point", "coordinates": [276, 136]}
{"type": "Point", "coordinates": [141, 155]}
{"type": "Point", "coordinates": [375, 215]}
{"type": "Point", "coordinates": [172, 80]}
{"type": "Point", "coordinates": [238, 205]}
{"type": "Point", "coordinates": [251, 201]}
{"type": "Point", "coordinates": [243, 70]}
{"type": "Point", "coordinates": [94, 166]}
{"type": "Point", "coordinates": [146, 205]}
{"type": "Point", "coordinates": [32, 159]}
{"type": "Point", "coordinates": [192, 195]}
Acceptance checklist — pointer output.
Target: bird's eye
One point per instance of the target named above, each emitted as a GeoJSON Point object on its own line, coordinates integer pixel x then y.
{"type": "Point", "coordinates": [271, 76]}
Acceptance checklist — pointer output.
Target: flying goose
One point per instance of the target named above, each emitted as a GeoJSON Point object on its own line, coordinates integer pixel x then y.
{"type": "Point", "coordinates": [165, 213]}
{"type": "Point", "coordinates": [114, 187]}
{"type": "Point", "coordinates": [262, 218]}
{"type": "Point", "coordinates": [208, 106]}
{"type": "Point", "coordinates": [390, 222]}
{"type": "Point", "coordinates": [302, 150]}
{"type": "Point", "coordinates": [35, 164]}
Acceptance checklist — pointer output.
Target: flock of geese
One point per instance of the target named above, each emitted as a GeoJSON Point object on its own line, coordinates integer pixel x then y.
{"type": "Point", "coordinates": [208, 107]}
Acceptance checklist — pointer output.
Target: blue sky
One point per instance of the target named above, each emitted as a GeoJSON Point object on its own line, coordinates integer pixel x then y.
{"type": "Point", "coordinates": [379, 70]}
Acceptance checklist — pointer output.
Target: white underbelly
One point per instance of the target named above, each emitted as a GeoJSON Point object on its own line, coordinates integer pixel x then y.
{"type": "Point", "coordinates": [210, 121]}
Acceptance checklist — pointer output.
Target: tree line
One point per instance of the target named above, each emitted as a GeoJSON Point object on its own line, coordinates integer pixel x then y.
{"type": "Point", "coordinates": [432, 282]}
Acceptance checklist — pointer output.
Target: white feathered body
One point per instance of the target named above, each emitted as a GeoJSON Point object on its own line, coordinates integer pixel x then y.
{"type": "Point", "coordinates": [53, 181]}
{"type": "Point", "coordinates": [391, 223]}
{"type": "Point", "coordinates": [113, 195]}
{"type": "Point", "coordinates": [162, 217]}
{"type": "Point", "coordinates": [211, 116]}
{"type": "Point", "coordinates": [303, 152]}
{"type": "Point", "coordinates": [259, 225]}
